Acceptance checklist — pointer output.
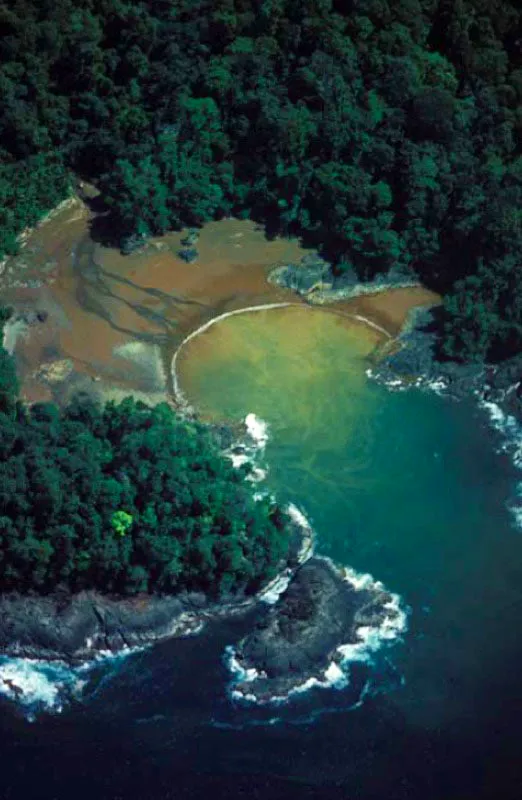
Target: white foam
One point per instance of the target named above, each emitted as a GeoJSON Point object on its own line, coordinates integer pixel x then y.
{"type": "Point", "coordinates": [250, 450]}
{"type": "Point", "coordinates": [257, 429]}
{"type": "Point", "coordinates": [396, 384]}
{"type": "Point", "coordinates": [299, 517]}
{"type": "Point", "coordinates": [258, 474]}
{"type": "Point", "coordinates": [308, 541]}
{"type": "Point", "coordinates": [334, 674]}
{"type": "Point", "coordinates": [439, 385]}
{"type": "Point", "coordinates": [271, 593]}
{"type": "Point", "coordinates": [517, 514]}
{"type": "Point", "coordinates": [234, 665]}
{"type": "Point", "coordinates": [370, 639]}
{"type": "Point", "coordinates": [37, 684]}
{"type": "Point", "coordinates": [508, 426]}
{"type": "Point", "coordinates": [238, 459]}
{"type": "Point", "coordinates": [511, 430]}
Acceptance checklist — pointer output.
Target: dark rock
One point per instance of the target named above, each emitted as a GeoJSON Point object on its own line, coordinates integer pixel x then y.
{"type": "Point", "coordinates": [130, 244]}
{"type": "Point", "coordinates": [417, 358]}
{"type": "Point", "coordinates": [298, 637]}
{"type": "Point", "coordinates": [191, 238]}
{"type": "Point", "coordinates": [311, 272]}
{"type": "Point", "coordinates": [188, 254]}
{"type": "Point", "coordinates": [31, 316]}
{"type": "Point", "coordinates": [507, 373]}
{"type": "Point", "coordinates": [75, 628]}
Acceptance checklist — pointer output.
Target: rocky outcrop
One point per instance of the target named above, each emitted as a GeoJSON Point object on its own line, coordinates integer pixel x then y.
{"type": "Point", "coordinates": [504, 386]}
{"type": "Point", "coordinates": [311, 274]}
{"type": "Point", "coordinates": [77, 627]}
{"type": "Point", "coordinates": [415, 358]}
{"type": "Point", "coordinates": [315, 279]}
{"type": "Point", "coordinates": [297, 640]}
{"type": "Point", "coordinates": [188, 254]}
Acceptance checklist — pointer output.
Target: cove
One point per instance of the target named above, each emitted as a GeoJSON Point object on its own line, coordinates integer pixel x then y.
{"type": "Point", "coordinates": [405, 485]}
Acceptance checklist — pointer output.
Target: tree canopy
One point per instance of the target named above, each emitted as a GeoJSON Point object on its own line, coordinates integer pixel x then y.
{"type": "Point", "coordinates": [126, 498]}
{"type": "Point", "coordinates": [387, 133]}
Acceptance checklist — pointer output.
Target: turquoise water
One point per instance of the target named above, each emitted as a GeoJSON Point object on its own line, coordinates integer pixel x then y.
{"type": "Point", "coordinates": [408, 486]}
{"type": "Point", "coordinates": [405, 485]}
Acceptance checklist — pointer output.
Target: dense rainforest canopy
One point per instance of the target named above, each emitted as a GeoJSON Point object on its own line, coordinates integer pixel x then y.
{"type": "Point", "coordinates": [387, 131]}
{"type": "Point", "coordinates": [125, 499]}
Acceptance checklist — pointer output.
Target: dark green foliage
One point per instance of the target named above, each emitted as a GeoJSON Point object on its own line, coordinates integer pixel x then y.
{"type": "Point", "coordinates": [387, 132]}
{"type": "Point", "coordinates": [126, 499]}
{"type": "Point", "coordinates": [28, 189]}
{"type": "Point", "coordinates": [8, 379]}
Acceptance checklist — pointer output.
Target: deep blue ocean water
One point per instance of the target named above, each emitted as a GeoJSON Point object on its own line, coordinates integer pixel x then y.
{"type": "Point", "coordinates": [409, 486]}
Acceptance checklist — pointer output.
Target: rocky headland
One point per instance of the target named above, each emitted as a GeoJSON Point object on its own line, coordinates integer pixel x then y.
{"type": "Point", "coordinates": [415, 359]}
{"type": "Point", "coordinates": [314, 279]}
{"type": "Point", "coordinates": [82, 626]}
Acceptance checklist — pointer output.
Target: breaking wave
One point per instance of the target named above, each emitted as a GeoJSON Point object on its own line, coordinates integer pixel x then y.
{"type": "Point", "coordinates": [250, 450]}
{"type": "Point", "coordinates": [511, 431]}
{"type": "Point", "coordinates": [36, 685]}
{"type": "Point", "coordinates": [396, 384]}
{"type": "Point", "coordinates": [369, 638]}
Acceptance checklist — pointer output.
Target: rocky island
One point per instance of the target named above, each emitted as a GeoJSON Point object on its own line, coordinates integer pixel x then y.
{"type": "Point", "coordinates": [326, 615]}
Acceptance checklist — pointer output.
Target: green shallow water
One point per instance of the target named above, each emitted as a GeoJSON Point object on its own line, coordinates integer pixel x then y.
{"type": "Point", "coordinates": [405, 485]}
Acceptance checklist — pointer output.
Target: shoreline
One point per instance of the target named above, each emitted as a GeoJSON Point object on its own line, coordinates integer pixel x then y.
{"type": "Point", "coordinates": [111, 626]}
{"type": "Point", "coordinates": [330, 617]}
{"type": "Point", "coordinates": [78, 627]}
{"type": "Point", "coordinates": [24, 235]}
{"type": "Point", "coordinates": [99, 303]}
{"type": "Point", "coordinates": [415, 363]}
{"type": "Point", "coordinates": [180, 399]}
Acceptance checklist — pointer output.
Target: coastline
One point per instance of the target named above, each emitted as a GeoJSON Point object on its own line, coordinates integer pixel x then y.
{"type": "Point", "coordinates": [24, 235]}
{"type": "Point", "coordinates": [412, 360]}
{"type": "Point", "coordinates": [179, 397]}
{"type": "Point", "coordinates": [415, 363]}
{"type": "Point", "coordinates": [78, 627]}
{"type": "Point", "coordinates": [82, 629]}
{"type": "Point", "coordinates": [329, 618]}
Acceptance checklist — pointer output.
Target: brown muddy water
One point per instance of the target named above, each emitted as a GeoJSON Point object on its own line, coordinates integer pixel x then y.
{"type": "Point", "coordinates": [114, 322]}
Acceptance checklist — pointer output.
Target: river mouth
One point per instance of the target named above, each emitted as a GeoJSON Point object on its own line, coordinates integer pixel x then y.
{"type": "Point", "coordinates": [404, 485]}
{"type": "Point", "coordinates": [114, 322]}
{"type": "Point", "coordinates": [233, 337]}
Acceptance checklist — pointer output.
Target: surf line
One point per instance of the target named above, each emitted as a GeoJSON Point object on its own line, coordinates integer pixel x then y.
{"type": "Point", "coordinates": [176, 389]}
